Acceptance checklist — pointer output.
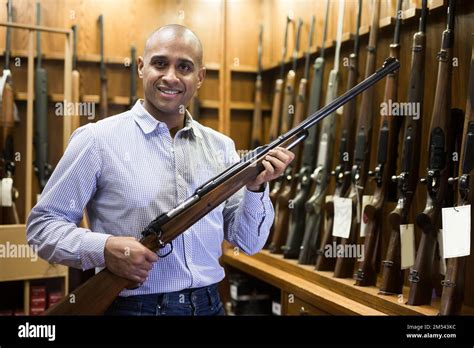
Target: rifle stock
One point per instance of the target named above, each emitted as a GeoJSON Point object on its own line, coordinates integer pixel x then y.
{"type": "Point", "coordinates": [439, 147]}
{"type": "Point", "coordinates": [100, 290]}
{"type": "Point", "coordinates": [453, 283]}
{"type": "Point", "coordinates": [256, 136]}
{"type": "Point", "coordinates": [76, 78]}
{"type": "Point", "coordinates": [392, 275]}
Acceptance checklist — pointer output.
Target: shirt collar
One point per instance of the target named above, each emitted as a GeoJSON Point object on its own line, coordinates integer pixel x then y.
{"type": "Point", "coordinates": [148, 123]}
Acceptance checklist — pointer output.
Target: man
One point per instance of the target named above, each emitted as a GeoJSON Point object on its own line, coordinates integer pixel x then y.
{"type": "Point", "coordinates": [129, 168]}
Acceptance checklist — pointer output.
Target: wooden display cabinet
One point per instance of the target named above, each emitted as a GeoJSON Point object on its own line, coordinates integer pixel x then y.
{"type": "Point", "coordinates": [29, 269]}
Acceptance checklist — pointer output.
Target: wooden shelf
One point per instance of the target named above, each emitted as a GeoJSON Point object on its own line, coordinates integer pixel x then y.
{"type": "Point", "coordinates": [91, 58]}
{"type": "Point", "coordinates": [247, 106]}
{"type": "Point", "coordinates": [88, 98]}
{"type": "Point", "coordinates": [209, 104]}
{"type": "Point", "coordinates": [326, 300]}
{"type": "Point", "coordinates": [293, 274]}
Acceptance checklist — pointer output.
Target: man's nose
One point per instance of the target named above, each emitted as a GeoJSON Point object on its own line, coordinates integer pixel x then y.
{"type": "Point", "coordinates": [170, 75]}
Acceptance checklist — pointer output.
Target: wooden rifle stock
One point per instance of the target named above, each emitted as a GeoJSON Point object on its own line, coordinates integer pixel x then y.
{"type": "Point", "coordinates": [386, 163]}
{"type": "Point", "coordinates": [94, 296]}
{"type": "Point", "coordinates": [392, 275]}
{"type": "Point", "coordinates": [453, 283]}
{"type": "Point", "coordinates": [341, 173]}
{"type": "Point", "coordinates": [439, 149]}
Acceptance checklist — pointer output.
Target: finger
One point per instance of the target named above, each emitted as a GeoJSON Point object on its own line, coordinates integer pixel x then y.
{"type": "Point", "coordinates": [150, 256]}
{"type": "Point", "coordinates": [146, 266]}
{"type": "Point", "coordinates": [282, 156]}
{"type": "Point", "coordinates": [268, 168]}
{"type": "Point", "coordinates": [277, 164]}
{"type": "Point", "coordinates": [141, 273]}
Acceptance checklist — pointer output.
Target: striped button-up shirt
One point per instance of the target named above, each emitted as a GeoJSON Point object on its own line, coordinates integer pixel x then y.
{"type": "Point", "coordinates": [125, 171]}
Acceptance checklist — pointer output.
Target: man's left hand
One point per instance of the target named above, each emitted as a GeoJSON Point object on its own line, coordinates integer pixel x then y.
{"type": "Point", "coordinates": [275, 164]}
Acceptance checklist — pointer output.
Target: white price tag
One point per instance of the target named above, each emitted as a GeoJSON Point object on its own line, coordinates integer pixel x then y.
{"type": "Point", "coordinates": [456, 231]}
{"type": "Point", "coordinates": [276, 308]}
{"type": "Point", "coordinates": [363, 222]}
{"type": "Point", "coordinates": [342, 217]}
{"type": "Point", "coordinates": [233, 292]}
{"type": "Point", "coordinates": [442, 260]}
{"type": "Point", "coordinates": [407, 245]}
{"type": "Point", "coordinates": [7, 185]}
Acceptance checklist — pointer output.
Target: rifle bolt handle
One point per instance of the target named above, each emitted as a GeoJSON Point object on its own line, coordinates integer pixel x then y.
{"type": "Point", "coordinates": [371, 173]}
{"type": "Point", "coordinates": [423, 180]}
{"type": "Point", "coordinates": [452, 180]}
{"type": "Point", "coordinates": [395, 178]}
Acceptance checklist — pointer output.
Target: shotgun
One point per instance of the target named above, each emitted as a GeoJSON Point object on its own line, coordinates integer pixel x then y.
{"type": "Point", "coordinates": [386, 164]}
{"type": "Point", "coordinates": [343, 169]}
{"type": "Point", "coordinates": [103, 74]}
{"type": "Point", "coordinates": [278, 91]}
{"type": "Point", "coordinates": [305, 245]}
{"type": "Point", "coordinates": [95, 296]}
{"type": "Point", "coordinates": [392, 274]}
{"type": "Point", "coordinates": [9, 113]}
{"type": "Point", "coordinates": [42, 168]}
{"type": "Point", "coordinates": [439, 148]}
{"type": "Point", "coordinates": [453, 283]}
{"type": "Point", "coordinates": [133, 77]}
{"type": "Point", "coordinates": [292, 182]}
{"type": "Point", "coordinates": [362, 140]}
{"type": "Point", "coordinates": [287, 185]}
{"type": "Point", "coordinates": [256, 137]}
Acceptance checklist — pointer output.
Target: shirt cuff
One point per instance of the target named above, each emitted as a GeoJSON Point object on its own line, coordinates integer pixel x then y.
{"type": "Point", "coordinates": [254, 201]}
{"type": "Point", "coordinates": [92, 249]}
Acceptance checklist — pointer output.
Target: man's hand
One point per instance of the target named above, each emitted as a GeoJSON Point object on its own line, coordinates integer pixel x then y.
{"type": "Point", "coordinates": [275, 164]}
{"type": "Point", "coordinates": [128, 258]}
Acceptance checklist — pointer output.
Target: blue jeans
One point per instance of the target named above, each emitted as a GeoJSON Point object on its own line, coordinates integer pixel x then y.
{"type": "Point", "coordinates": [189, 302]}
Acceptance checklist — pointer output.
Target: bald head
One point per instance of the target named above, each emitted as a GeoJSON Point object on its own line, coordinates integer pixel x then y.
{"type": "Point", "coordinates": [173, 32]}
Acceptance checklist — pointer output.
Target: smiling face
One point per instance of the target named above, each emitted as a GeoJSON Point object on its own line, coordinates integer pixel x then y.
{"type": "Point", "coordinates": [171, 69]}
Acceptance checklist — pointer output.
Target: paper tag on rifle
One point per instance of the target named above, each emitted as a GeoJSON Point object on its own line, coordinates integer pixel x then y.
{"type": "Point", "coordinates": [363, 221]}
{"type": "Point", "coordinates": [407, 245]}
{"type": "Point", "coordinates": [340, 110]}
{"type": "Point", "coordinates": [233, 292]}
{"type": "Point", "coordinates": [342, 217]}
{"type": "Point", "coordinates": [456, 231]}
{"type": "Point", "coordinates": [276, 308]}
{"type": "Point", "coordinates": [6, 199]}
{"type": "Point", "coordinates": [38, 197]}
{"type": "Point", "coordinates": [442, 260]}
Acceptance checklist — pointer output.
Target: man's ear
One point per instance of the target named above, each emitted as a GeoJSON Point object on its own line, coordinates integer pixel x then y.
{"type": "Point", "coordinates": [140, 65]}
{"type": "Point", "coordinates": [201, 76]}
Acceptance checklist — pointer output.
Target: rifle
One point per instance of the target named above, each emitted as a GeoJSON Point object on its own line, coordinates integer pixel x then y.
{"type": "Point", "coordinates": [342, 171]}
{"type": "Point", "coordinates": [42, 168]}
{"type": "Point", "coordinates": [96, 295]}
{"type": "Point", "coordinates": [382, 174]}
{"type": "Point", "coordinates": [277, 94]}
{"type": "Point", "coordinates": [9, 113]}
{"type": "Point", "coordinates": [304, 243]}
{"type": "Point", "coordinates": [133, 77]}
{"type": "Point", "coordinates": [286, 187]}
{"type": "Point", "coordinates": [440, 149]}
{"type": "Point", "coordinates": [292, 182]}
{"type": "Point", "coordinates": [392, 275]}
{"type": "Point", "coordinates": [257, 112]}
{"type": "Point", "coordinates": [453, 283]}
{"type": "Point", "coordinates": [75, 79]}
{"type": "Point", "coordinates": [363, 137]}
{"type": "Point", "coordinates": [275, 121]}
{"type": "Point", "coordinates": [103, 75]}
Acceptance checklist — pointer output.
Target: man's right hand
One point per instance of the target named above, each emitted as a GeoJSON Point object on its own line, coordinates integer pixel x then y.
{"type": "Point", "coordinates": [128, 258]}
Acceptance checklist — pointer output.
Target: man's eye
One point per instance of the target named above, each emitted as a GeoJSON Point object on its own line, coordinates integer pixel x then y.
{"type": "Point", "coordinates": [160, 64]}
{"type": "Point", "coordinates": [185, 67]}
